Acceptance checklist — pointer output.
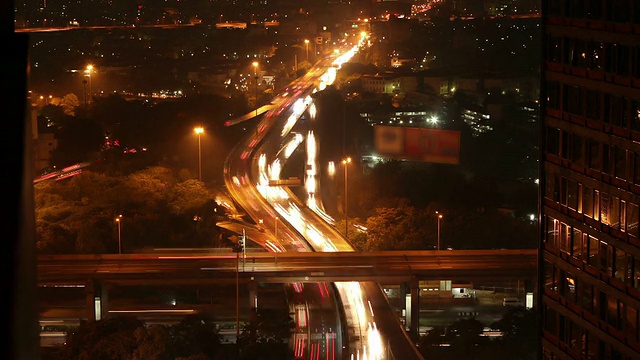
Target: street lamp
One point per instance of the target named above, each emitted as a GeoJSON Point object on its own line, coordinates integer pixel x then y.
{"type": "Point", "coordinates": [346, 162]}
{"type": "Point", "coordinates": [84, 84]}
{"type": "Point", "coordinates": [88, 71]}
{"type": "Point", "coordinates": [199, 130]}
{"type": "Point", "coordinates": [439, 218]}
{"type": "Point", "coordinates": [255, 73]}
{"type": "Point", "coordinates": [119, 221]}
{"type": "Point", "coordinates": [306, 43]}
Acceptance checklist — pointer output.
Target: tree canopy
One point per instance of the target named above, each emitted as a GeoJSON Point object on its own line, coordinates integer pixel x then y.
{"type": "Point", "coordinates": [159, 208]}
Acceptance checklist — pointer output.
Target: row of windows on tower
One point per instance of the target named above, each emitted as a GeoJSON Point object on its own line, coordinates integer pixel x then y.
{"type": "Point", "coordinates": [593, 104]}
{"type": "Point", "coordinates": [584, 152]}
{"type": "Point", "coordinates": [621, 11]}
{"type": "Point", "coordinates": [582, 343]}
{"type": "Point", "coordinates": [602, 257]}
{"type": "Point", "coordinates": [613, 58]}
{"type": "Point", "coordinates": [610, 210]}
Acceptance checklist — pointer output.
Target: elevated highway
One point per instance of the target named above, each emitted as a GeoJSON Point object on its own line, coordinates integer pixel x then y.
{"type": "Point", "coordinates": [383, 266]}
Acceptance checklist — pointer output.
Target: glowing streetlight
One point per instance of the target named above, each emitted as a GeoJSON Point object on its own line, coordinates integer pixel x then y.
{"type": "Point", "coordinates": [255, 74]}
{"type": "Point", "coordinates": [119, 222]}
{"type": "Point", "coordinates": [306, 43]}
{"type": "Point", "coordinates": [439, 218]}
{"type": "Point", "coordinates": [199, 130]}
{"type": "Point", "coordinates": [346, 162]}
{"type": "Point", "coordinates": [89, 71]}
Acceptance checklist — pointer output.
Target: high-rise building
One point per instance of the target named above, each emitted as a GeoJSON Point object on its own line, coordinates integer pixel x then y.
{"type": "Point", "coordinates": [589, 278]}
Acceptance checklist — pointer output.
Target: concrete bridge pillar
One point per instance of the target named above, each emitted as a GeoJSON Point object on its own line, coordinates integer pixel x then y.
{"type": "Point", "coordinates": [97, 296]}
{"type": "Point", "coordinates": [253, 294]}
{"type": "Point", "coordinates": [403, 291]}
{"type": "Point", "coordinates": [414, 309]}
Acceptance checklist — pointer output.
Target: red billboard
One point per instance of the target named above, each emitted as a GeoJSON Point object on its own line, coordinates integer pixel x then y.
{"type": "Point", "coordinates": [423, 144]}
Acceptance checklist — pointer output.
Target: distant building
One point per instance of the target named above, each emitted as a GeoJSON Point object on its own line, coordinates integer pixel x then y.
{"type": "Point", "coordinates": [44, 143]}
{"type": "Point", "coordinates": [379, 84]}
{"type": "Point", "coordinates": [478, 119]}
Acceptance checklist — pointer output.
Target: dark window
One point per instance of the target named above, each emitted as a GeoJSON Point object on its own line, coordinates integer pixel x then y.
{"type": "Point", "coordinates": [631, 323]}
{"type": "Point", "coordinates": [595, 159]}
{"type": "Point", "coordinates": [609, 57]}
{"type": "Point", "coordinates": [633, 216]}
{"type": "Point", "coordinates": [623, 58]}
{"type": "Point", "coordinates": [636, 168]}
{"type": "Point", "coordinates": [552, 187]}
{"type": "Point", "coordinates": [613, 313]}
{"type": "Point", "coordinates": [636, 14]}
{"type": "Point", "coordinates": [587, 201]}
{"type": "Point", "coordinates": [550, 321]}
{"type": "Point", "coordinates": [607, 104]}
{"type": "Point", "coordinates": [620, 265]}
{"type": "Point", "coordinates": [574, 103]}
{"type": "Point", "coordinates": [621, 11]}
{"type": "Point", "coordinates": [594, 246]}
{"type": "Point", "coordinates": [575, 8]}
{"type": "Point", "coordinates": [618, 109]}
{"type": "Point", "coordinates": [628, 278]}
{"type": "Point", "coordinates": [565, 142]}
{"type": "Point", "coordinates": [549, 277]}
{"type": "Point", "coordinates": [586, 297]}
{"type": "Point", "coordinates": [572, 194]}
{"type": "Point", "coordinates": [594, 9]}
{"type": "Point", "coordinates": [563, 191]}
{"type": "Point", "coordinates": [554, 49]}
{"type": "Point", "coordinates": [593, 105]}
{"type": "Point", "coordinates": [606, 159]}
{"type": "Point", "coordinates": [577, 151]}
{"type": "Point", "coordinates": [620, 163]}
{"type": "Point", "coordinates": [576, 240]}
{"type": "Point", "coordinates": [553, 95]}
{"type": "Point", "coordinates": [635, 113]}
{"type": "Point", "coordinates": [553, 141]}
{"type": "Point", "coordinates": [636, 272]}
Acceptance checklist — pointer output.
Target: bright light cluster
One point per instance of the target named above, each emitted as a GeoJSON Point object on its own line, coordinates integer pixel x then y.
{"type": "Point", "coordinates": [360, 317]}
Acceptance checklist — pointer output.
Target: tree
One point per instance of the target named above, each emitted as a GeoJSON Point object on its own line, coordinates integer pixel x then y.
{"type": "Point", "coordinates": [265, 338]}
{"type": "Point", "coordinates": [195, 334]}
{"type": "Point", "coordinates": [519, 333]}
{"type": "Point", "coordinates": [395, 228]}
{"type": "Point", "coordinates": [79, 140]}
{"type": "Point", "coordinates": [153, 343]}
{"type": "Point", "coordinates": [107, 339]}
{"type": "Point", "coordinates": [195, 337]}
{"type": "Point", "coordinates": [69, 103]}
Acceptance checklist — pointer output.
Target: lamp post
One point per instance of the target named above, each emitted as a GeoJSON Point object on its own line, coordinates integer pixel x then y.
{"type": "Point", "coordinates": [199, 130]}
{"type": "Point", "coordinates": [439, 218]}
{"type": "Point", "coordinates": [346, 162]}
{"type": "Point", "coordinates": [84, 83]}
{"type": "Point", "coordinates": [88, 71]}
{"type": "Point", "coordinates": [255, 74]}
{"type": "Point", "coordinates": [306, 43]}
{"type": "Point", "coordinates": [119, 221]}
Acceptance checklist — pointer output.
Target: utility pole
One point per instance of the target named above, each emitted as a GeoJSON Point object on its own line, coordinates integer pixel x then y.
{"type": "Point", "coordinates": [239, 247]}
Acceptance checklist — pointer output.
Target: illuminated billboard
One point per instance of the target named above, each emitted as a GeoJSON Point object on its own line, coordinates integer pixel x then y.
{"type": "Point", "coordinates": [422, 144]}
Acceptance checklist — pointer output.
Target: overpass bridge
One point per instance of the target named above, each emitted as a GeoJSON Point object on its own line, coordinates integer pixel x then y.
{"type": "Point", "coordinates": [377, 266]}
{"type": "Point", "coordinates": [97, 273]}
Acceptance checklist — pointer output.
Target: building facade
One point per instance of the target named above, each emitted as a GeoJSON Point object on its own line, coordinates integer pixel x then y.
{"type": "Point", "coordinates": [589, 273]}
